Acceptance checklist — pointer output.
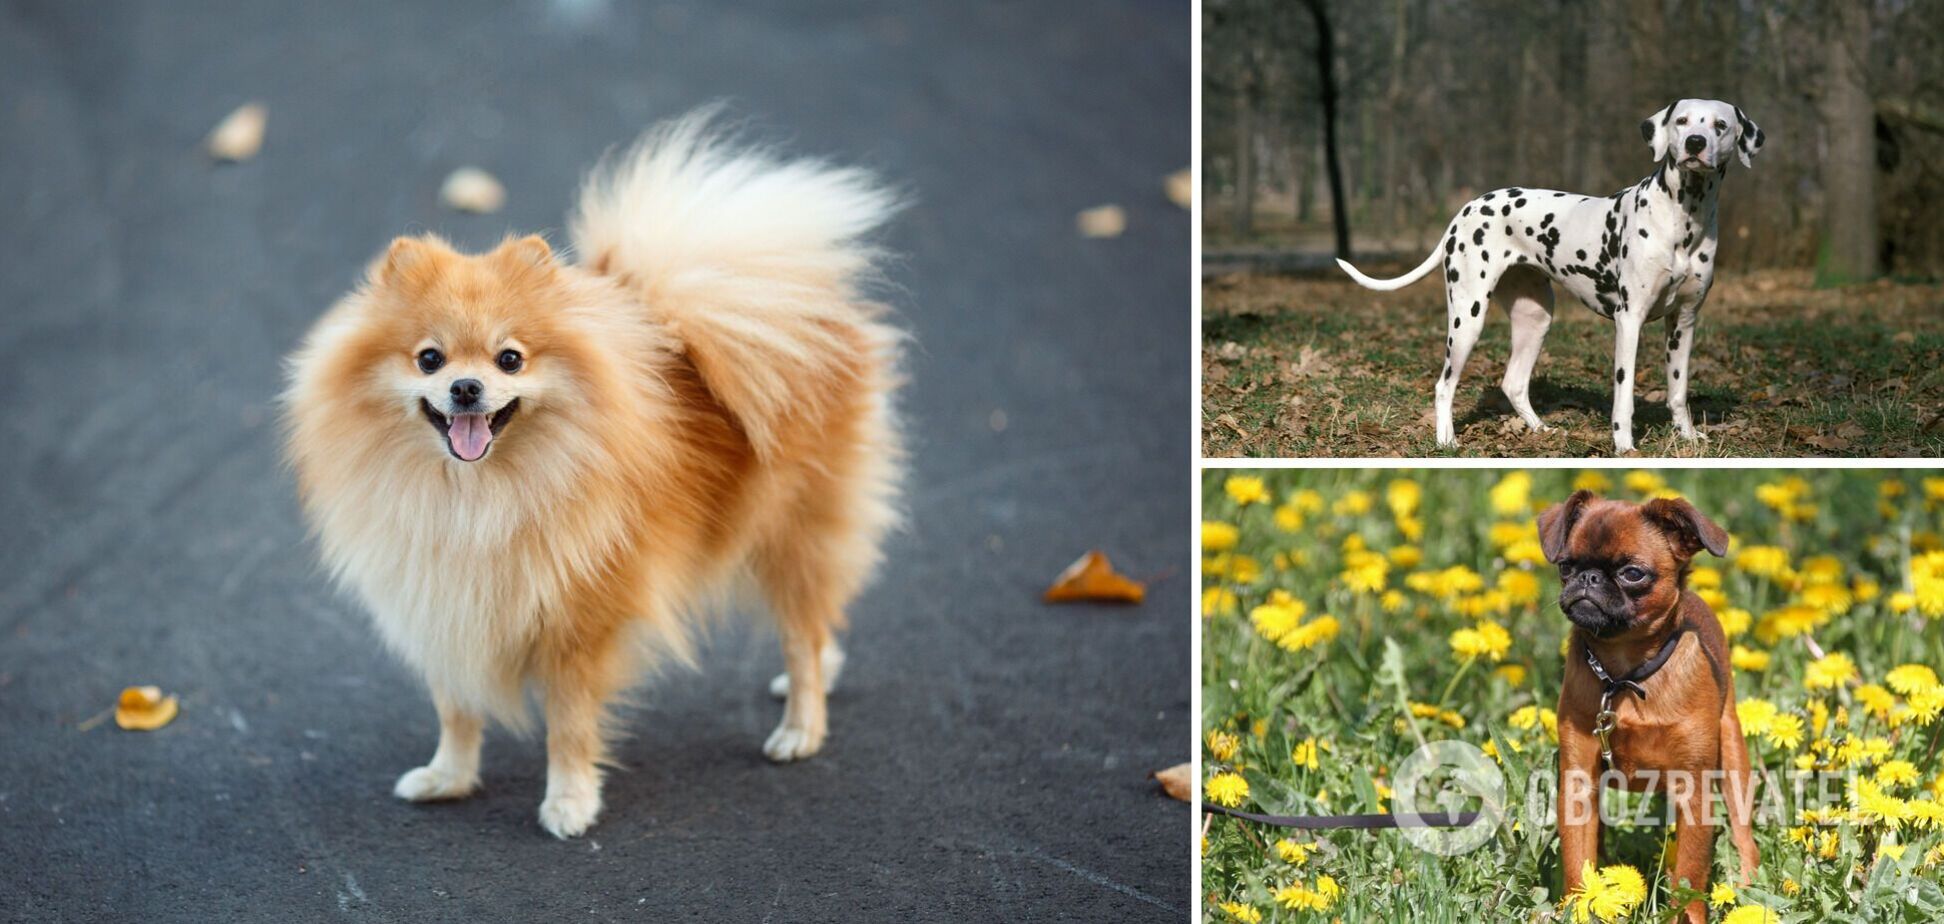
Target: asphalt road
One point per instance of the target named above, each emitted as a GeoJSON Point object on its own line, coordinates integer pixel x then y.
{"type": "Point", "coordinates": [989, 753]}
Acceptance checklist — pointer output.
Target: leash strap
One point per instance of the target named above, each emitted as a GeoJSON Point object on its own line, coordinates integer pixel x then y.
{"type": "Point", "coordinates": [1607, 720]}
{"type": "Point", "coordinates": [1315, 822]}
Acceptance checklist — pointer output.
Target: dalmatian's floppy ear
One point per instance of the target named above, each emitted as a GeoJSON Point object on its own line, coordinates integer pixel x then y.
{"type": "Point", "coordinates": [1748, 140]}
{"type": "Point", "coordinates": [1657, 130]}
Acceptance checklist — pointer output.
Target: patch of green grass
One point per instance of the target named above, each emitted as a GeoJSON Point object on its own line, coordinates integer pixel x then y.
{"type": "Point", "coordinates": [1853, 549]}
{"type": "Point", "coordinates": [1298, 367]}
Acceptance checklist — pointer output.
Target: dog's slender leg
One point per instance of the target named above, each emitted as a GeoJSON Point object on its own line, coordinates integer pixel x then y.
{"type": "Point", "coordinates": [1694, 836]}
{"type": "Point", "coordinates": [576, 695]}
{"type": "Point", "coordinates": [454, 770]}
{"type": "Point", "coordinates": [1680, 341]}
{"type": "Point", "coordinates": [1528, 298]}
{"type": "Point", "coordinates": [1465, 320]}
{"type": "Point", "coordinates": [806, 580]}
{"type": "Point", "coordinates": [833, 666]}
{"type": "Point", "coordinates": [1579, 795]}
{"type": "Point", "coordinates": [1626, 345]}
{"type": "Point", "coordinates": [1738, 791]}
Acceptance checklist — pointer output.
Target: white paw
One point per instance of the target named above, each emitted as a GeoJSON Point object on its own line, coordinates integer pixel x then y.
{"type": "Point", "coordinates": [570, 814]}
{"type": "Point", "coordinates": [788, 743]}
{"type": "Point", "coordinates": [429, 784]}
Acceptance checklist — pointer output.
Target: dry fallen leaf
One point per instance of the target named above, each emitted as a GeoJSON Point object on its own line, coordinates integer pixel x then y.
{"type": "Point", "coordinates": [1177, 781]}
{"type": "Point", "coordinates": [470, 189]}
{"type": "Point", "coordinates": [240, 135]}
{"type": "Point", "coordinates": [1181, 188]}
{"type": "Point", "coordinates": [144, 709]}
{"type": "Point", "coordinates": [1093, 578]}
{"type": "Point", "coordinates": [1102, 221]}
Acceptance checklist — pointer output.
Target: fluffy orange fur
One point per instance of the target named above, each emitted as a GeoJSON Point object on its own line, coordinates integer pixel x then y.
{"type": "Point", "coordinates": [704, 397]}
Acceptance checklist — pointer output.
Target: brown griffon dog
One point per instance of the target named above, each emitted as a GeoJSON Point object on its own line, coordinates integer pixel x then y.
{"type": "Point", "coordinates": [1648, 696]}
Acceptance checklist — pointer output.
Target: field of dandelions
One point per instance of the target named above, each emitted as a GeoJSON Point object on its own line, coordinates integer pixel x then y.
{"type": "Point", "coordinates": [1348, 612]}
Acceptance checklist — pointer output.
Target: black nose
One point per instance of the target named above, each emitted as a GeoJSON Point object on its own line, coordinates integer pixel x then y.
{"type": "Point", "coordinates": [466, 392]}
{"type": "Point", "coordinates": [1695, 143]}
{"type": "Point", "coordinates": [1591, 578]}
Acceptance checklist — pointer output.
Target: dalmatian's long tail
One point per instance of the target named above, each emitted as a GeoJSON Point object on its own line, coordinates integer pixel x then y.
{"type": "Point", "coordinates": [1385, 285]}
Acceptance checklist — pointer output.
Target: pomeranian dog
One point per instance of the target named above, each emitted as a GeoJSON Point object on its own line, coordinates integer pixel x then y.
{"type": "Point", "coordinates": [538, 472]}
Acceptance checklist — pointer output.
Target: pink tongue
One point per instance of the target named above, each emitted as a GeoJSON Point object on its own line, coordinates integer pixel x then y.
{"type": "Point", "coordinates": [469, 436]}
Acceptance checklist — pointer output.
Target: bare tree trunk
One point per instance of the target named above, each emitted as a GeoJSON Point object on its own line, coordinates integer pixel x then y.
{"type": "Point", "coordinates": [1849, 246]}
{"type": "Point", "coordinates": [1245, 191]}
{"type": "Point", "coordinates": [1393, 117]}
{"type": "Point", "coordinates": [1301, 155]}
{"type": "Point", "coordinates": [1326, 67]}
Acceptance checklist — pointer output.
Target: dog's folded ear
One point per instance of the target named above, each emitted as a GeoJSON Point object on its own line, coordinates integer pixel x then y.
{"type": "Point", "coordinates": [1748, 137]}
{"type": "Point", "coordinates": [1656, 130]}
{"type": "Point", "coordinates": [1556, 524]}
{"type": "Point", "coordinates": [1690, 529]}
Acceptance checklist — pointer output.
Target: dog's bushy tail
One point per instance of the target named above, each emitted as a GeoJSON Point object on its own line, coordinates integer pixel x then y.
{"type": "Point", "coordinates": [757, 263]}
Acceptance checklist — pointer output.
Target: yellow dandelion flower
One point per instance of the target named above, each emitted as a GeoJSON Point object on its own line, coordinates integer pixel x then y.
{"type": "Point", "coordinates": [1317, 631]}
{"type": "Point", "coordinates": [1643, 482]}
{"type": "Point", "coordinates": [1755, 715]}
{"type": "Point", "coordinates": [1308, 501]}
{"type": "Point", "coordinates": [1784, 731]}
{"type": "Point", "coordinates": [1222, 745]}
{"type": "Point", "coordinates": [1763, 560]}
{"type": "Point", "coordinates": [1246, 490]}
{"type": "Point", "coordinates": [1748, 659]}
{"type": "Point", "coordinates": [1227, 789]}
{"type": "Point", "coordinates": [1833, 599]}
{"type": "Point", "coordinates": [1592, 480]}
{"type": "Point", "coordinates": [1217, 536]}
{"type": "Point", "coordinates": [1278, 617]}
{"type": "Point", "coordinates": [1722, 895]}
{"type": "Point", "coordinates": [1875, 700]}
{"type": "Point", "coordinates": [1789, 887]}
{"type": "Point", "coordinates": [1896, 773]}
{"type": "Point", "coordinates": [1304, 754]}
{"type": "Point", "coordinates": [1909, 678]}
{"type": "Point", "coordinates": [1405, 556]}
{"type": "Point", "coordinates": [1411, 528]}
{"type": "Point", "coordinates": [1520, 587]}
{"type": "Point", "coordinates": [1513, 494]}
{"type": "Point", "coordinates": [1755, 914]}
{"type": "Point", "coordinates": [1704, 578]}
{"type": "Point", "coordinates": [1733, 621]}
{"type": "Point", "coordinates": [1392, 601]}
{"type": "Point", "coordinates": [1352, 504]}
{"type": "Point", "coordinates": [1365, 571]}
{"type": "Point", "coordinates": [1242, 569]}
{"type": "Point", "coordinates": [1219, 601]}
{"type": "Point", "coordinates": [1607, 894]}
{"type": "Point", "coordinates": [1525, 552]}
{"type": "Point", "coordinates": [1901, 602]}
{"type": "Point", "coordinates": [1829, 671]}
{"type": "Point", "coordinates": [1292, 852]}
{"type": "Point", "coordinates": [1865, 589]}
{"type": "Point", "coordinates": [1788, 622]}
{"type": "Point", "coordinates": [1288, 518]}
{"type": "Point", "coordinates": [1402, 495]}
{"type": "Point", "coordinates": [1513, 674]}
{"type": "Point", "coordinates": [1247, 914]}
{"type": "Point", "coordinates": [1506, 532]}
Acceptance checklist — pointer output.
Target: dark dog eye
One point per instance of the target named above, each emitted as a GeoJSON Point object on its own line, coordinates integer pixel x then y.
{"type": "Point", "coordinates": [1681, 121]}
{"type": "Point", "coordinates": [510, 361]}
{"type": "Point", "coordinates": [429, 360]}
{"type": "Point", "coordinates": [1633, 574]}
{"type": "Point", "coordinates": [1720, 125]}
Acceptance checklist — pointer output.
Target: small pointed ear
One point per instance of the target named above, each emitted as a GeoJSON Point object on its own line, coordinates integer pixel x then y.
{"type": "Point", "coordinates": [532, 250]}
{"type": "Point", "coordinates": [1748, 139]}
{"type": "Point", "coordinates": [405, 258]}
{"type": "Point", "coordinates": [1691, 530]}
{"type": "Point", "coordinates": [1556, 524]}
{"type": "Point", "coordinates": [1656, 131]}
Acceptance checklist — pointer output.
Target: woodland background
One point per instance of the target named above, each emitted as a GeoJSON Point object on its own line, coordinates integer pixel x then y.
{"type": "Point", "coordinates": [1435, 101]}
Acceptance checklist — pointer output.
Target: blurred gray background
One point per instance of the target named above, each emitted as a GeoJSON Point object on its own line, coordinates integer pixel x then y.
{"type": "Point", "coordinates": [989, 753]}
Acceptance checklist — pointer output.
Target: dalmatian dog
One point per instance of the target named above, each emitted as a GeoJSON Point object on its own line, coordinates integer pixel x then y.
{"type": "Point", "coordinates": [1642, 254]}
